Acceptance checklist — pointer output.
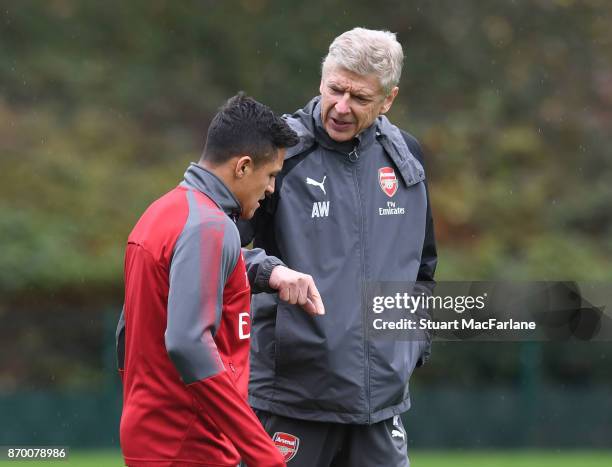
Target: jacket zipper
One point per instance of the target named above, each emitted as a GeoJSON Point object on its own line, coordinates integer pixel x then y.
{"type": "Point", "coordinates": [353, 157]}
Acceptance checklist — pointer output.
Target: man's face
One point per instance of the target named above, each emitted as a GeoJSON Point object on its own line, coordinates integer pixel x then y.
{"type": "Point", "coordinates": [350, 102]}
{"type": "Point", "coordinates": [257, 182]}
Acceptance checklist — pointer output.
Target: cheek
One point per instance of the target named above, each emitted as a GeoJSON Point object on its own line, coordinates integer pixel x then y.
{"type": "Point", "coordinates": [326, 104]}
{"type": "Point", "coordinates": [363, 115]}
{"type": "Point", "coordinates": [369, 115]}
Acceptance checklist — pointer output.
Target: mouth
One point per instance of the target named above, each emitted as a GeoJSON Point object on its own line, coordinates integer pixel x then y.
{"type": "Point", "coordinates": [339, 125]}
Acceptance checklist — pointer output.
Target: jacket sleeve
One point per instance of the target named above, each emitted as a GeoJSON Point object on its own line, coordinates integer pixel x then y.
{"type": "Point", "coordinates": [120, 343]}
{"type": "Point", "coordinates": [429, 254]}
{"type": "Point", "coordinates": [204, 257]}
{"type": "Point", "coordinates": [259, 268]}
{"type": "Point", "coordinates": [261, 260]}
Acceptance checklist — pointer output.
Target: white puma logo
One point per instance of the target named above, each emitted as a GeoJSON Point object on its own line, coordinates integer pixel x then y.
{"type": "Point", "coordinates": [397, 432]}
{"type": "Point", "coordinates": [310, 181]}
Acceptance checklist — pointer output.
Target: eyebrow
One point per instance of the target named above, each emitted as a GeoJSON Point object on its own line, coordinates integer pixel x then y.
{"type": "Point", "coordinates": [359, 93]}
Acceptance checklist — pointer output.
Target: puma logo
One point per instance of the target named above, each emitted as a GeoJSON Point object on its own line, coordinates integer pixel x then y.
{"type": "Point", "coordinates": [310, 181]}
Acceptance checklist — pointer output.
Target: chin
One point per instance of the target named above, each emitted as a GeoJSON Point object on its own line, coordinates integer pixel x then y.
{"type": "Point", "coordinates": [248, 215]}
{"type": "Point", "coordinates": [338, 137]}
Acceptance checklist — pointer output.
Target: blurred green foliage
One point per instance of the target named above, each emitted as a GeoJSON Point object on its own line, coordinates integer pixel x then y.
{"type": "Point", "coordinates": [103, 105]}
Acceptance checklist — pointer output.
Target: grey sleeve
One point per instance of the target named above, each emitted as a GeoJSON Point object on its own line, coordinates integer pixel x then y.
{"type": "Point", "coordinates": [425, 288]}
{"type": "Point", "coordinates": [204, 257]}
{"type": "Point", "coordinates": [259, 267]}
{"type": "Point", "coordinates": [120, 341]}
{"type": "Point", "coordinates": [429, 255]}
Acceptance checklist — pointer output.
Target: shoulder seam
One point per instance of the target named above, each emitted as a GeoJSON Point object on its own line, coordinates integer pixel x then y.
{"type": "Point", "coordinates": [148, 252]}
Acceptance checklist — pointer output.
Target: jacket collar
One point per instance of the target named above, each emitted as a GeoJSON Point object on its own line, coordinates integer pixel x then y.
{"type": "Point", "coordinates": [203, 180]}
{"type": "Point", "coordinates": [304, 123]}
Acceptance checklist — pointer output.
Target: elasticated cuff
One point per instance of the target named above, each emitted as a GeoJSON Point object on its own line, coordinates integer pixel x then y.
{"type": "Point", "coordinates": [264, 271]}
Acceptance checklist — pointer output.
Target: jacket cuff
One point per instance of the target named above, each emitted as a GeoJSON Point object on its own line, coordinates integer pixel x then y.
{"type": "Point", "coordinates": [264, 271]}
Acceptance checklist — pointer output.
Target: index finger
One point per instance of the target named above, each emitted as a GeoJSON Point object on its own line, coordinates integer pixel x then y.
{"type": "Point", "coordinates": [315, 299]}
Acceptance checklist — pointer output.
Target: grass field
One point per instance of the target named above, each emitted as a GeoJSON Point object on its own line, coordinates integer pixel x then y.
{"type": "Point", "coordinates": [418, 459]}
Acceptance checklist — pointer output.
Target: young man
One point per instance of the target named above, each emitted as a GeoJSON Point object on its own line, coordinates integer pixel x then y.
{"type": "Point", "coordinates": [183, 337]}
{"type": "Point", "coordinates": [350, 207]}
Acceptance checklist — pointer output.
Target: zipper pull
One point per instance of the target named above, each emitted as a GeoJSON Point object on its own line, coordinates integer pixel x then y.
{"type": "Point", "coordinates": [353, 156]}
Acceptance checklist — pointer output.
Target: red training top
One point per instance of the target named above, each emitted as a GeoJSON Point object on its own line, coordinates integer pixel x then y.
{"type": "Point", "coordinates": [184, 334]}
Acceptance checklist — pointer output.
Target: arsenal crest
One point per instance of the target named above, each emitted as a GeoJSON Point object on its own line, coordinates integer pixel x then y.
{"type": "Point", "coordinates": [287, 444]}
{"type": "Point", "coordinates": [387, 181]}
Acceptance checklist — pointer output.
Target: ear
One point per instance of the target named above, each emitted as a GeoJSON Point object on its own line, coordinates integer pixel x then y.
{"type": "Point", "coordinates": [388, 102]}
{"type": "Point", "coordinates": [244, 164]}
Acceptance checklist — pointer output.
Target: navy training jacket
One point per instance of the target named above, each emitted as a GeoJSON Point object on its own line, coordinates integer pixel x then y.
{"type": "Point", "coordinates": [348, 214]}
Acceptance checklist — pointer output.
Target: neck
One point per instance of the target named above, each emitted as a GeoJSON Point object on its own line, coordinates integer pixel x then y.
{"type": "Point", "coordinates": [220, 170]}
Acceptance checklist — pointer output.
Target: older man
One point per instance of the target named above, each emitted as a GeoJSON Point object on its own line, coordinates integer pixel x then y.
{"type": "Point", "coordinates": [350, 207]}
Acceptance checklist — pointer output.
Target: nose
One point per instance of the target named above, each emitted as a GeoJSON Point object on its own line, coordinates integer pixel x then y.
{"type": "Point", "coordinates": [342, 106]}
{"type": "Point", "coordinates": [270, 187]}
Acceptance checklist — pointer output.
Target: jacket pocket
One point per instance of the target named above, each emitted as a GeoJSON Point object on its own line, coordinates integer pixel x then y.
{"type": "Point", "coordinates": [282, 351]}
{"type": "Point", "coordinates": [391, 366]}
{"type": "Point", "coordinates": [300, 344]}
{"type": "Point", "coordinates": [263, 331]}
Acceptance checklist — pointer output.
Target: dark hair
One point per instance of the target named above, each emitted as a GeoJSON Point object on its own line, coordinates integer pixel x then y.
{"type": "Point", "coordinates": [245, 126]}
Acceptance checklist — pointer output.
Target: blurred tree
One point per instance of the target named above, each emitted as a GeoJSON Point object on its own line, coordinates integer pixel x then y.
{"type": "Point", "coordinates": [103, 104]}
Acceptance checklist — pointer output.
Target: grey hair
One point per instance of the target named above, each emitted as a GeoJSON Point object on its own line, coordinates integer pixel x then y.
{"type": "Point", "coordinates": [366, 51]}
